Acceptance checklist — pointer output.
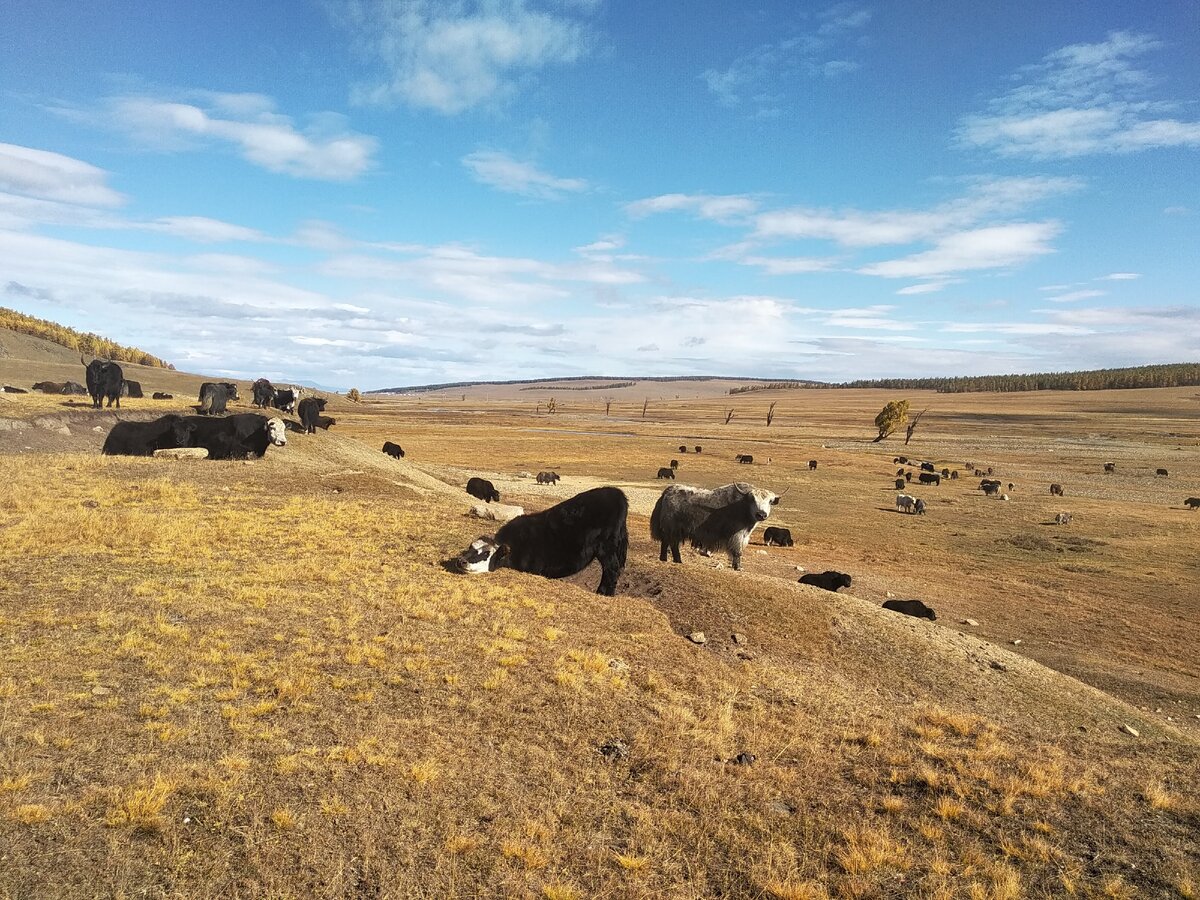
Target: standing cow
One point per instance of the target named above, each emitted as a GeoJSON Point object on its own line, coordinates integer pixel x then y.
{"type": "Point", "coordinates": [393, 450]}
{"type": "Point", "coordinates": [666, 472]}
{"type": "Point", "coordinates": [264, 393]}
{"type": "Point", "coordinates": [104, 380]}
{"type": "Point", "coordinates": [310, 410]}
{"type": "Point", "coordinates": [720, 519]}
{"type": "Point", "coordinates": [483, 489]}
{"type": "Point", "coordinates": [214, 395]}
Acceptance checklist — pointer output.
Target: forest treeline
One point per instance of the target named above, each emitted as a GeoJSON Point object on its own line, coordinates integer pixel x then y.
{"type": "Point", "coordinates": [586, 387]}
{"type": "Point", "coordinates": [86, 343]}
{"type": "Point", "coordinates": [1167, 375]}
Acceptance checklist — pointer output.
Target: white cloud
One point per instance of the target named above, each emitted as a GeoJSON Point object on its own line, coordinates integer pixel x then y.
{"type": "Point", "coordinates": [874, 318]}
{"type": "Point", "coordinates": [715, 207]}
{"type": "Point", "coordinates": [1082, 99]}
{"type": "Point", "coordinates": [450, 57]}
{"type": "Point", "coordinates": [324, 150]}
{"type": "Point", "coordinates": [205, 230]}
{"type": "Point", "coordinates": [793, 265]}
{"type": "Point", "coordinates": [1076, 296]}
{"type": "Point", "coordinates": [501, 171]}
{"type": "Point", "coordinates": [999, 246]}
{"type": "Point", "coordinates": [1020, 328]}
{"type": "Point", "coordinates": [1120, 276]}
{"type": "Point", "coordinates": [927, 287]}
{"type": "Point", "coordinates": [51, 176]}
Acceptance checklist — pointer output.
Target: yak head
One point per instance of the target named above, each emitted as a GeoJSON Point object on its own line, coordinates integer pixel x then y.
{"type": "Point", "coordinates": [483, 555]}
{"type": "Point", "coordinates": [277, 431]}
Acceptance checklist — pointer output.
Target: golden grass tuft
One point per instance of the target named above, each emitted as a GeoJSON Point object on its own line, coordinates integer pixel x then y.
{"type": "Point", "coordinates": [140, 807]}
{"type": "Point", "coordinates": [31, 814]}
{"type": "Point", "coordinates": [1156, 794]}
{"type": "Point", "coordinates": [786, 889]}
{"type": "Point", "coordinates": [284, 819]}
{"type": "Point", "coordinates": [14, 783]}
{"type": "Point", "coordinates": [425, 772]}
{"type": "Point", "coordinates": [631, 862]}
{"type": "Point", "coordinates": [867, 849]}
{"type": "Point", "coordinates": [558, 891]}
{"type": "Point", "coordinates": [527, 854]}
{"type": "Point", "coordinates": [948, 809]}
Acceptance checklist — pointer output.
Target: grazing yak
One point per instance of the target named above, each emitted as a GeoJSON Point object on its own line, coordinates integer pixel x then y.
{"type": "Point", "coordinates": [900, 472]}
{"type": "Point", "coordinates": [143, 438]}
{"type": "Point", "coordinates": [1192, 502]}
{"type": "Point", "coordinates": [927, 467]}
{"type": "Point", "coordinates": [774, 536]}
{"type": "Point", "coordinates": [285, 400]}
{"type": "Point", "coordinates": [919, 507]}
{"type": "Point", "coordinates": [905, 503]}
{"type": "Point", "coordinates": [160, 395]}
{"type": "Point", "coordinates": [325, 422]}
{"type": "Point", "coordinates": [1109, 468]}
{"type": "Point", "coordinates": [310, 410]}
{"type": "Point", "coordinates": [1062, 519]}
{"type": "Point", "coordinates": [666, 472]}
{"type": "Point", "coordinates": [392, 449]}
{"type": "Point", "coordinates": [900, 483]}
{"type": "Point", "coordinates": [697, 448]}
{"type": "Point", "coordinates": [559, 541]}
{"type": "Point", "coordinates": [683, 448]}
{"type": "Point", "coordinates": [263, 392]}
{"type": "Point", "coordinates": [237, 436]}
{"type": "Point", "coordinates": [1056, 490]}
{"type": "Point", "coordinates": [720, 519]}
{"type": "Point", "coordinates": [908, 476]}
{"type": "Point", "coordinates": [812, 464]}
{"type": "Point", "coordinates": [548, 478]}
{"type": "Point", "coordinates": [214, 395]}
{"type": "Point", "coordinates": [914, 608]}
{"type": "Point", "coordinates": [483, 490]}
{"type": "Point", "coordinates": [674, 464]}
{"type": "Point", "coordinates": [828, 581]}
{"type": "Point", "coordinates": [930, 478]}
{"type": "Point", "coordinates": [104, 381]}
{"type": "Point", "coordinates": [954, 475]}
{"type": "Point", "coordinates": [744, 458]}
{"type": "Point", "coordinates": [1161, 473]}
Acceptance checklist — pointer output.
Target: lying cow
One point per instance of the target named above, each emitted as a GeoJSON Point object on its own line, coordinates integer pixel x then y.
{"type": "Point", "coordinates": [914, 608]}
{"type": "Point", "coordinates": [720, 519]}
{"type": "Point", "coordinates": [160, 395]}
{"type": "Point", "coordinates": [143, 438]}
{"type": "Point", "coordinates": [559, 541]}
{"type": "Point", "coordinates": [1161, 473]}
{"type": "Point", "coordinates": [49, 387]}
{"type": "Point", "coordinates": [393, 450]}
{"type": "Point", "coordinates": [483, 489]}
{"type": "Point", "coordinates": [775, 536]}
{"type": "Point", "coordinates": [12, 389]}
{"type": "Point", "coordinates": [548, 478]}
{"type": "Point", "coordinates": [235, 437]}
{"type": "Point", "coordinates": [1056, 490]}
{"type": "Point", "coordinates": [828, 581]}
{"type": "Point", "coordinates": [310, 410]}
{"type": "Point", "coordinates": [666, 472]}
{"type": "Point", "coordinates": [132, 389]}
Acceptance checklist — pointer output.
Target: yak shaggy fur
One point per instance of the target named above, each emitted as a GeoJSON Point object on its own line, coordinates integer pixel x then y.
{"type": "Point", "coordinates": [720, 519]}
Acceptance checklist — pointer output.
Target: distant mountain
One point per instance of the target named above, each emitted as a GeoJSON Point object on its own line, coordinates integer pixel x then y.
{"type": "Point", "coordinates": [574, 383]}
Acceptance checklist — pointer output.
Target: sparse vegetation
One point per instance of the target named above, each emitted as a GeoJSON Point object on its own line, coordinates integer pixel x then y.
{"type": "Point", "coordinates": [891, 417]}
{"type": "Point", "coordinates": [86, 343]}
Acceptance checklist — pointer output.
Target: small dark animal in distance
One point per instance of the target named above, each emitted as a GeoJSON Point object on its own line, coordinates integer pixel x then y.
{"type": "Point", "coordinates": [927, 467]}
{"type": "Point", "coordinates": [812, 464]}
{"type": "Point", "coordinates": [162, 395]}
{"type": "Point", "coordinates": [900, 483]}
{"type": "Point", "coordinates": [828, 580]}
{"type": "Point", "coordinates": [930, 478]}
{"type": "Point", "coordinates": [914, 608]}
{"type": "Point", "coordinates": [548, 478]}
{"type": "Point", "coordinates": [666, 472]}
{"type": "Point", "coordinates": [683, 448]}
{"type": "Point", "coordinates": [483, 489]}
{"type": "Point", "coordinates": [674, 464]}
{"type": "Point", "coordinates": [697, 448]}
{"type": "Point", "coordinates": [393, 449]}
{"type": "Point", "coordinates": [774, 536]}
{"type": "Point", "coordinates": [954, 475]}
{"type": "Point", "coordinates": [1161, 473]}
{"type": "Point", "coordinates": [1192, 502]}
{"type": "Point", "coordinates": [1056, 490]}
{"type": "Point", "coordinates": [1110, 467]}
{"type": "Point", "coordinates": [744, 458]}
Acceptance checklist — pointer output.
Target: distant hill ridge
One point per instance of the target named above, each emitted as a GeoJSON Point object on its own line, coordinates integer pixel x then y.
{"type": "Point", "coordinates": [85, 343]}
{"type": "Point", "coordinates": [611, 381]}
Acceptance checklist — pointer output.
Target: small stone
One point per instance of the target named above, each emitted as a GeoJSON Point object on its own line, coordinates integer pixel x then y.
{"type": "Point", "coordinates": [890, 594]}
{"type": "Point", "coordinates": [64, 430]}
{"type": "Point", "coordinates": [748, 655]}
{"type": "Point", "coordinates": [697, 637]}
{"type": "Point", "coordinates": [743, 759]}
{"type": "Point", "coordinates": [1017, 643]}
{"type": "Point", "coordinates": [778, 806]}
{"type": "Point", "coordinates": [720, 565]}
{"type": "Point", "coordinates": [99, 429]}
{"type": "Point", "coordinates": [187, 820]}
{"type": "Point", "coordinates": [1130, 730]}
{"type": "Point", "coordinates": [761, 552]}
{"type": "Point", "coordinates": [799, 568]}
{"type": "Point", "coordinates": [970, 622]}
{"type": "Point", "coordinates": [100, 691]}
{"type": "Point", "coordinates": [738, 638]}
{"type": "Point", "coordinates": [618, 665]}
{"type": "Point", "coordinates": [182, 453]}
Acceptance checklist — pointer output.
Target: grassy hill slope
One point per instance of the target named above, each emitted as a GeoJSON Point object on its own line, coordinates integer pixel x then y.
{"type": "Point", "coordinates": [256, 679]}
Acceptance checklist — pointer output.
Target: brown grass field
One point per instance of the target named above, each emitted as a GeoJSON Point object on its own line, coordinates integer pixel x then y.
{"type": "Point", "coordinates": [256, 680]}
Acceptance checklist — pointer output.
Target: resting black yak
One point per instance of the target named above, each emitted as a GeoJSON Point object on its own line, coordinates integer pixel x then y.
{"type": "Point", "coordinates": [559, 541]}
{"type": "Point", "coordinates": [829, 580]}
{"type": "Point", "coordinates": [913, 608]}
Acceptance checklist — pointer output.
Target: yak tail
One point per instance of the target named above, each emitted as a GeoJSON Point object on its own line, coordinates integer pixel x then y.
{"type": "Point", "coordinates": [656, 520]}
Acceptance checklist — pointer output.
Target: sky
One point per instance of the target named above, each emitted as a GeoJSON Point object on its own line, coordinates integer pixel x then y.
{"type": "Point", "coordinates": [378, 193]}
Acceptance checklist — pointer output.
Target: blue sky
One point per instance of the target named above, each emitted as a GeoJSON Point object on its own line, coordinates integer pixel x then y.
{"type": "Point", "coordinates": [353, 193]}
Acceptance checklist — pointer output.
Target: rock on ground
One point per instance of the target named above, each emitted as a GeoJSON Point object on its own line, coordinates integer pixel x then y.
{"type": "Point", "coordinates": [496, 512]}
{"type": "Point", "coordinates": [182, 453]}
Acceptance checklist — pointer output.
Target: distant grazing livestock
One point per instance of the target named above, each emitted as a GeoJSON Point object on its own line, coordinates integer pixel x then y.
{"type": "Point", "coordinates": [908, 476]}
{"type": "Point", "coordinates": [903, 460]}
{"type": "Point", "coordinates": [143, 438]}
{"type": "Point", "coordinates": [1062, 519]}
{"type": "Point", "coordinates": [914, 608]}
{"type": "Point", "coordinates": [1011, 485]}
{"type": "Point", "coordinates": [310, 410]}
{"type": "Point", "coordinates": [132, 389]}
{"type": "Point", "coordinates": [666, 472]}
{"type": "Point", "coordinates": [1192, 502]}
{"type": "Point", "coordinates": [104, 382]}
{"type": "Point", "coordinates": [483, 489]}
{"type": "Point", "coordinates": [744, 458]}
{"type": "Point", "coordinates": [1056, 490]}
{"type": "Point", "coordinates": [697, 448]}
{"type": "Point", "coordinates": [989, 470]}
{"type": "Point", "coordinates": [325, 422]}
{"type": "Point", "coordinates": [1109, 467]}
{"type": "Point", "coordinates": [159, 395]}
{"type": "Point", "coordinates": [683, 448]}
{"type": "Point", "coordinates": [900, 472]}
{"type": "Point", "coordinates": [905, 503]}
{"type": "Point", "coordinates": [559, 541]}
{"type": "Point", "coordinates": [812, 464]}
{"type": "Point", "coordinates": [264, 393]}
{"type": "Point", "coordinates": [720, 519]}
{"type": "Point", "coordinates": [990, 488]}
{"type": "Point", "coordinates": [674, 464]}
{"type": "Point", "coordinates": [237, 436]}
{"type": "Point", "coordinates": [548, 478]}
{"type": "Point", "coordinates": [954, 475]}
{"type": "Point", "coordinates": [774, 536]}
{"type": "Point", "coordinates": [919, 507]}
{"type": "Point", "coordinates": [1161, 473]}
{"type": "Point", "coordinates": [927, 467]}
{"type": "Point", "coordinates": [969, 465]}
{"type": "Point", "coordinates": [945, 473]}
{"type": "Point", "coordinates": [214, 395]}
{"type": "Point", "coordinates": [978, 472]}
{"type": "Point", "coordinates": [828, 581]}
{"type": "Point", "coordinates": [930, 478]}
{"type": "Point", "coordinates": [900, 483]}
{"type": "Point", "coordinates": [393, 450]}
{"type": "Point", "coordinates": [284, 400]}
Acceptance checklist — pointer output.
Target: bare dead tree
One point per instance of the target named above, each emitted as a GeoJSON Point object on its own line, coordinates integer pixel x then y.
{"type": "Point", "coordinates": [608, 401]}
{"type": "Point", "coordinates": [551, 406]}
{"type": "Point", "coordinates": [645, 403]}
{"type": "Point", "coordinates": [771, 414]}
{"type": "Point", "coordinates": [912, 425]}
{"type": "Point", "coordinates": [728, 416]}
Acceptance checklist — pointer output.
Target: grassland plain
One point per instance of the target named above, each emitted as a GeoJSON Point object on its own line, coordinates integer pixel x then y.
{"type": "Point", "coordinates": [256, 679]}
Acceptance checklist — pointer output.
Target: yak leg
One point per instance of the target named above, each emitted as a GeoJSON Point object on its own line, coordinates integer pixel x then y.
{"type": "Point", "coordinates": [662, 553]}
{"type": "Point", "coordinates": [675, 553]}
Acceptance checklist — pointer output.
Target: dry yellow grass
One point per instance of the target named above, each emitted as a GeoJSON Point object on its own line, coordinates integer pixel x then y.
{"type": "Point", "coordinates": [260, 716]}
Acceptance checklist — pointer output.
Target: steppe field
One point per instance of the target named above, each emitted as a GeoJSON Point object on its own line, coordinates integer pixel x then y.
{"type": "Point", "coordinates": [255, 679]}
